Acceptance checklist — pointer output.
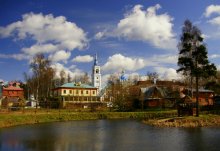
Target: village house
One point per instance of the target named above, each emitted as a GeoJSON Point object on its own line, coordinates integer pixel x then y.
{"type": "Point", "coordinates": [157, 93]}
{"type": "Point", "coordinates": [12, 95]}
{"type": "Point", "coordinates": [206, 97]}
{"type": "Point", "coordinates": [77, 95]}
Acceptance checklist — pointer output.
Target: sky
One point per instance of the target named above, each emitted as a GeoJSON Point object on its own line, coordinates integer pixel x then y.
{"type": "Point", "coordinates": [135, 36]}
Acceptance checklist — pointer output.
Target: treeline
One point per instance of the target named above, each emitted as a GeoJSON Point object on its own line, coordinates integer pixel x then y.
{"type": "Point", "coordinates": [43, 78]}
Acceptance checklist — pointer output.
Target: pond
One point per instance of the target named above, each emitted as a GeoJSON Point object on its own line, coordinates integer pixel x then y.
{"type": "Point", "coordinates": [107, 135]}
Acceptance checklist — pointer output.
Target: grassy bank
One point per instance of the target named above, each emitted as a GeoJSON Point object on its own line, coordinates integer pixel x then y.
{"type": "Point", "coordinates": [155, 117]}
{"type": "Point", "coordinates": [205, 120]}
{"type": "Point", "coordinates": [8, 119]}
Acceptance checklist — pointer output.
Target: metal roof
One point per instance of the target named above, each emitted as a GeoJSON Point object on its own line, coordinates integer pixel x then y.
{"type": "Point", "coordinates": [77, 85]}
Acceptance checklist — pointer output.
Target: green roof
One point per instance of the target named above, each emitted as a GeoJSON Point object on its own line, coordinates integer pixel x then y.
{"type": "Point", "coordinates": [76, 85]}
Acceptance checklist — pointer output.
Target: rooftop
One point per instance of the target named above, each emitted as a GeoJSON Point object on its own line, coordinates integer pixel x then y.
{"type": "Point", "coordinates": [76, 85]}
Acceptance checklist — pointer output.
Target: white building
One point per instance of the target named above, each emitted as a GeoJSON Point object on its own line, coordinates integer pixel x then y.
{"type": "Point", "coordinates": [96, 75]}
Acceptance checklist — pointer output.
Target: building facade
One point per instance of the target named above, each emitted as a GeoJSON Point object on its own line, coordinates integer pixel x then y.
{"type": "Point", "coordinates": [77, 95]}
{"type": "Point", "coordinates": [12, 95]}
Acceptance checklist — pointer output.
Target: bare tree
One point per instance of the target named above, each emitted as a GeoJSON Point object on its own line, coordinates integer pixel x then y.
{"type": "Point", "coordinates": [62, 77]}
{"type": "Point", "coordinates": [41, 81]}
{"type": "Point", "coordinates": [152, 75]}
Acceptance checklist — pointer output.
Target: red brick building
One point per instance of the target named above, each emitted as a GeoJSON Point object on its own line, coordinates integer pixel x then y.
{"type": "Point", "coordinates": [12, 95]}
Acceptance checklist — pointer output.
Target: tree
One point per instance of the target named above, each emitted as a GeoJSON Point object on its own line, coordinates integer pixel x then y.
{"type": "Point", "coordinates": [69, 79]}
{"type": "Point", "coordinates": [152, 75]}
{"type": "Point", "coordinates": [119, 91]}
{"type": "Point", "coordinates": [193, 59]}
{"type": "Point", "coordinates": [84, 78]}
{"type": "Point", "coordinates": [62, 77]}
{"type": "Point", "coordinates": [41, 81]}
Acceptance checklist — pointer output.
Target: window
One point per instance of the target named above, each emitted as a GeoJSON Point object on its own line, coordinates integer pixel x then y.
{"type": "Point", "coordinates": [93, 92]}
{"type": "Point", "coordinates": [87, 92]}
{"type": "Point", "coordinates": [77, 91]}
{"type": "Point", "coordinates": [81, 91]}
{"type": "Point", "coordinates": [64, 91]}
{"type": "Point", "coordinates": [70, 91]}
{"type": "Point", "coordinates": [97, 78]}
{"type": "Point", "coordinates": [97, 70]}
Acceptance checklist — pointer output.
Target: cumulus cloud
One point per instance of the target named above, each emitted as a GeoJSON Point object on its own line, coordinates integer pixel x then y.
{"type": "Point", "coordinates": [167, 73]}
{"type": "Point", "coordinates": [215, 21]}
{"type": "Point", "coordinates": [49, 33]}
{"type": "Point", "coordinates": [211, 9]}
{"type": "Point", "coordinates": [147, 26]}
{"type": "Point", "coordinates": [72, 71]}
{"type": "Point", "coordinates": [40, 48]}
{"type": "Point", "coordinates": [118, 62]}
{"type": "Point", "coordinates": [86, 58]}
{"type": "Point", "coordinates": [60, 56]}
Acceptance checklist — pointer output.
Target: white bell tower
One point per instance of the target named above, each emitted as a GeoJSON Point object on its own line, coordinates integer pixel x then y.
{"type": "Point", "coordinates": [96, 74]}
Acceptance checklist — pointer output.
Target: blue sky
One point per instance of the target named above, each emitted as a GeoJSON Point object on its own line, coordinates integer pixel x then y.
{"type": "Point", "coordinates": [135, 36]}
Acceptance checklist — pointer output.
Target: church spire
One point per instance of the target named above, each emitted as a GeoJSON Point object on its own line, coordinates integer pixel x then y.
{"type": "Point", "coordinates": [96, 60]}
{"type": "Point", "coordinates": [96, 74]}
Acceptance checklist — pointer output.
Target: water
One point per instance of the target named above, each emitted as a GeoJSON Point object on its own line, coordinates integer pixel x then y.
{"type": "Point", "coordinates": [107, 135]}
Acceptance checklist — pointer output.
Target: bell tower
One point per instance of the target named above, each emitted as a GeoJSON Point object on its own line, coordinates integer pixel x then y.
{"type": "Point", "coordinates": [96, 74]}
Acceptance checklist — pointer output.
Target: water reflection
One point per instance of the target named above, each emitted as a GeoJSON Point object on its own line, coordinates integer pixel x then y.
{"type": "Point", "coordinates": [107, 135]}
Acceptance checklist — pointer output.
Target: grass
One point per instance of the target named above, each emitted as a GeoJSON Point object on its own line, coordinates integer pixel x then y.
{"type": "Point", "coordinates": [160, 118]}
{"type": "Point", "coordinates": [204, 120]}
{"type": "Point", "coordinates": [32, 116]}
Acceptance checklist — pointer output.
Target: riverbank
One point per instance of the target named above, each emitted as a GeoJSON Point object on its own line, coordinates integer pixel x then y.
{"type": "Point", "coordinates": [15, 118]}
{"type": "Point", "coordinates": [167, 118]}
{"type": "Point", "coordinates": [205, 120]}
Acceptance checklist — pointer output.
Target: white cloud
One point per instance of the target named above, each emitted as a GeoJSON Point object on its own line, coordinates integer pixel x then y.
{"type": "Point", "coordinates": [73, 72]}
{"type": "Point", "coordinates": [99, 35]}
{"type": "Point", "coordinates": [86, 58]}
{"type": "Point", "coordinates": [40, 48]}
{"type": "Point", "coordinates": [214, 56]}
{"type": "Point", "coordinates": [146, 26]}
{"type": "Point", "coordinates": [218, 67]}
{"type": "Point", "coordinates": [119, 62]}
{"type": "Point", "coordinates": [211, 9]}
{"type": "Point", "coordinates": [15, 56]}
{"type": "Point", "coordinates": [60, 56]}
{"type": "Point", "coordinates": [49, 33]}
{"type": "Point", "coordinates": [167, 73]}
{"type": "Point", "coordinates": [215, 21]}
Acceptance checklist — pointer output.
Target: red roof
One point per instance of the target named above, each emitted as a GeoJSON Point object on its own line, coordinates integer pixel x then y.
{"type": "Point", "coordinates": [13, 88]}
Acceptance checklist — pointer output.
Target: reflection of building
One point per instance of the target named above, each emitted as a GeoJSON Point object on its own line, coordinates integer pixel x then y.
{"type": "Point", "coordinates": [77, 95]}
{"type": "Point", "coordinates": [12, 95]}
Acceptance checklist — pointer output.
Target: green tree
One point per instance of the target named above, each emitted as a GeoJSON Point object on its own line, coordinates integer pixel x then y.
{"type": "Point", "coordinates": [193, 58]}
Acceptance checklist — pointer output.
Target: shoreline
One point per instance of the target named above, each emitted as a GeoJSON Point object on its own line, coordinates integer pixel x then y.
{"type": "Point", "coordinates": [9, 119]}
{"type": "Point", "coordinates": [152, 118]}
{"type": "Point", "coordinates": [205, 120]}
